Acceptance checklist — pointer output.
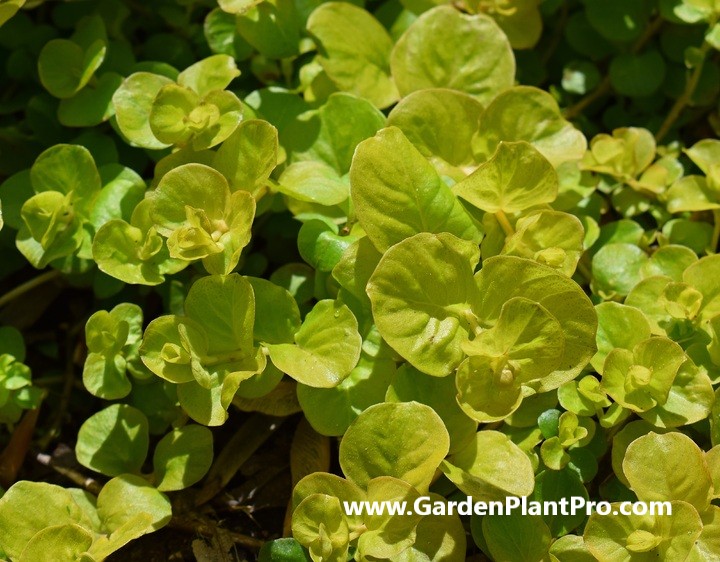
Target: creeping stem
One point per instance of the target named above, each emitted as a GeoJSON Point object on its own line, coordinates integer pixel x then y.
{"type": "Point", "coordinates": [504, 223]}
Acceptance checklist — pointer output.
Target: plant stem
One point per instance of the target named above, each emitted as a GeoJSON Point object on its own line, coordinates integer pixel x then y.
{"type": "Point", "coordinates": [505, 223]}
{"type": "Point", "coordinates": [28, 286]}
{"type": "Point", "coordinates": [685, 97]}
{"type": "Point", "coordinates": [85, 482]}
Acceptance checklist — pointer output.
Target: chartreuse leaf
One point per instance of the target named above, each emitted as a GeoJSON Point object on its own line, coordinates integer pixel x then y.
{"type": "Point", "coordinates": [210, 350]}
{"type": "Point", "coordinates": [326, 347]}
{"type": "Point", "coordinates": [552, 238]}
{"type": "Point", "coordinates": [330, 411]}
{"type": "Point", "coordinates": [113, 339]}
{"type": "Point", "coordinates": [332, 485]}
{"type": "Point", "coordinates": [643, 537]}
{"type": "Point", "coordinates": [619, 326]}
{"type": "Point", "coordinates": [440, 123]}
{"type": "Point", "coordinates": [520, 20]}
{"type": "Point", "coordinates": [277, 317]}
{"type": "Point", "coordinates": [490, 468]}
{"type": "Point", "coordinates": [527, 114]}
{"type": "Point", "coordinates": [180, 116]}
{"type": "Point", "coordinates": [29, 507]}
{"type": "Point", "coordinates": [183, 457]}
{"type": "Point", "coordinates": [114, 440]}
{"type": "Point", "coordinates": [516, 537]}
{"type": "Point", "coordinates": [397, 193]}
{"type": "Point", "coordinates": [194, 208]}
{"type": "Point", "coordinates": [423, 299]}
{"type": "Point", "coordinates": [134, 253]}
{"type": "Point", "coordinates": [678, 470]}
{"type": "Point", "coordinates": [525, 345]}
{"type": "Point", "coordinates": [133, 101]}
{"type": "Point", "coordinates": [475, 56]}
{"type": "Point", "coordinates": [59, 542]}
{"type": "Point", "coordinates": [387, 535]}
{"type": "Point", "coordinates": [505, 277]}
{"type": "Point", "coordinates": [624, 154]}
{"type": "Point", "coordinates": [65, 66]}
{"type": "Point", "coordinates": [354, 51]}
{"type": "Point", "coordinates": [700, 277]}
{"type": "Point", "coordinates": [690, 399]}
{"type": "Point", "coordinates": [8, 8]}
{"type": "Point", "coordinates": [554, 485]}
{"type": "Point", "coordinates": [209, 74]}
{"type": "Point", "coordinates": [128, 507]}
{"type": "Point", "coordinates": [437, 537]}
{"type": "Point", "coordinates": [409, 384]}
{"type": "Point", "coordinates": [571, 548]}
{"type": "Point", "coordinates": [405, 440]}
{"type": "Point", "coordinates": [319, 524]}
{"type": "Point", "coordinates": [248, 156]}
{"type": "Point", "coordinates": [516, 178]}
{"type": "Point", "coordinates": [641, 379]}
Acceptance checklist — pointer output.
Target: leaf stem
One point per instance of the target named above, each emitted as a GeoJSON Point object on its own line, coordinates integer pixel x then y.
{"type": "Point", "coordinates": [505, 223]}
{"type": "Point", "coordinates": [28, 286]}
{"type": "Point", "coordinates": [716, 230]}
{"type": "Point", "coordinates": [685, 97]}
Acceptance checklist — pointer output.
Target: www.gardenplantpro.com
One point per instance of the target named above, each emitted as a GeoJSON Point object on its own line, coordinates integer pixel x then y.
{"type": "Point", "coordinates": [402, 280]}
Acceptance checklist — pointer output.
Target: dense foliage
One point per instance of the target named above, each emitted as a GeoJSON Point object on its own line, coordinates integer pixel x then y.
{"type": "Point", "coordinates": [296, 253]}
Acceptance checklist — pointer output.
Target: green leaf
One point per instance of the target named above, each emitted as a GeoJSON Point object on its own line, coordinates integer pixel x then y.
{"type": "Point", "coordinates": [65, 67]}
{"type": "Point", "coordinates": [283, 550]}
{"type": "Point", "coordinates": [554, 486]}
{"type": "Point", "coordinates": [405, 440]}
{"type": "Point", "coordinates": [475, 56]}
{"type": "Point", "coordinates": [397, 193]}
{"type": "Point", "coordinates": [518, 537]}
{"type": "Point", "coordinates": [354, 50]}
{"type": "Point", "coordinates": [618, 20]}
{"type": "Point", "coordinates": [440, 123]}
{"type": "Point", "coordinates": [92, 105]}
{"type": "Point", "coordinates": [133, 101]}
{"type": "Point", "coordinates": [423, 299]}
{"type": "Point", "coordinates": [678, 470]}
{"type": "Point", "coordinates": [527, 114]}
{"type": "Point", "coordinates": [114, 440]}
{"type": "Point", "coordinates": [326, 348]}
{"type": "Point", "coordinates": [277, 318]}
{"type": "Point", "coordinates": [272, 27]}
{"type": "Point", "coordinates": [313, 182]}
{"type": "Point", "coordinates": [516, 178]}
{"type": "Point", "coordinates": [183, 457]}
{"type": "Point", "coordinates": [617, 269]}
{"type": "Point", "coordinates": [637, 75]}
{"type": "Point", "coordinates": [691, 193]}
{"type": "Point", "coordinates": [490, 468]}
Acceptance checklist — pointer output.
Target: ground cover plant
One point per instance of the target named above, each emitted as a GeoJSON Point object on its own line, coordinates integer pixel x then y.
{"type": "Point", "coordinates": [263, 257]}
